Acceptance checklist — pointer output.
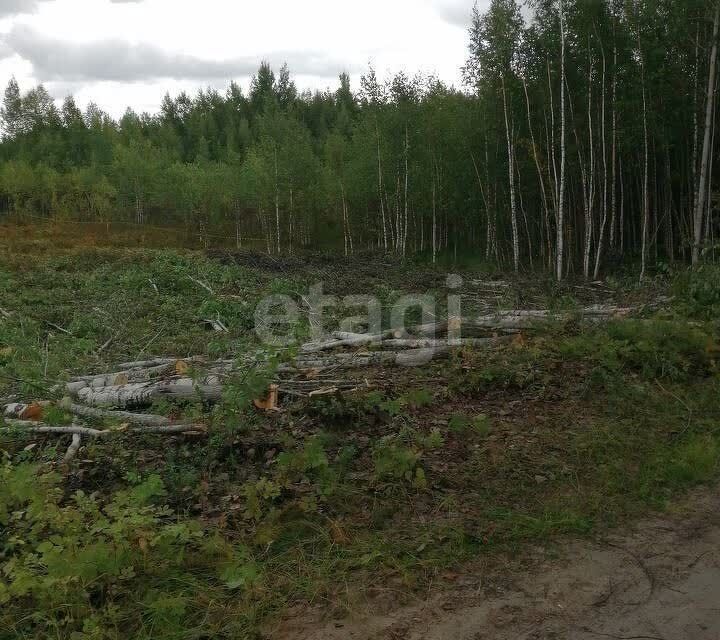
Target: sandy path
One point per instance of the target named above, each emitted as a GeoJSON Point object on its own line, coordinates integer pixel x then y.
{"type": "Point", "coordinates": [659, 580]}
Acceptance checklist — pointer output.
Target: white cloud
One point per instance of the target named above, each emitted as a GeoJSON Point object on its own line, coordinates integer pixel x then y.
{"type": "Point", "coordinates": [14, 7]}
{"type": "Point", "coordinates": [121, 61]}
{"type": "Point", "coordinates": [130, 52]}
{"type": "Point", "coordinates": [457, 12]}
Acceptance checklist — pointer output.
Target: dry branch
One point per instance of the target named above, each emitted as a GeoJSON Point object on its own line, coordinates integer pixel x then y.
{"type": "Point", "coordinates": [15, 426]}
{"type": "Point", "coordinates": [203, 285]}
{"type": "Point", "coordinates": [73, 448]}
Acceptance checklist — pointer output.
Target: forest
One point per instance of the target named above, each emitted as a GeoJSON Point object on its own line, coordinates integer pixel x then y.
{"type": "Point", "coordinates": [395, 359]}
{"type": "Point", "coordinates": [584, 138]}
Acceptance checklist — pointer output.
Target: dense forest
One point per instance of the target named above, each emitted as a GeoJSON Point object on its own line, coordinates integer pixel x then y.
{"type": "Point", "coordinates": [584, 136]}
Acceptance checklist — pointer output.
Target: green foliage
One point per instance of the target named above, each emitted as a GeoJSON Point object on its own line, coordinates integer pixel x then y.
{"type": "Point", "coordinates": [120, 303]}
{"type": "Point", "coordinates": [278, 168]}
{"type": "Point", "coordinates": [683, 465]}
{"type": "Point", "coordinates": [259, 497]}
{"type": "Point", "coordinates": [393, 461]}
{"type": "Point", "coordinates": [694, 462]}
{"type": "Point", "coordinates": [653, 349]}
{"type": "Point", "coordinates": [56, 416]}
{"type": "Point", "coordinates": [241, 389]}
{"type": "Point", "coordinates": [311, 457]}
{"type": "Point", "coordinates": [433, 441]}
{"type": "Point", "coordinates": [89, 567]}
{"type": "Point", "coordinates": [462, 424]}
{"type": "Point", "coordinates": [698, 292]}
{"type": "Point", "coordinates": [419, 398]}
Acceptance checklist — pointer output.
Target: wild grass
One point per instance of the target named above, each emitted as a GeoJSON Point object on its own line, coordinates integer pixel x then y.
{"type": "Point", "coordinates": [564, 434]}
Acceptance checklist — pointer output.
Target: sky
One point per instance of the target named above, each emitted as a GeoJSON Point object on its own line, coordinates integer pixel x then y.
{"type": "Point", "coordinates": [120, 53]}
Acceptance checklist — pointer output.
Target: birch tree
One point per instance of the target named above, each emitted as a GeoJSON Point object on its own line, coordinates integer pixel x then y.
{"type": "Point", "coordinates": [702, 194]}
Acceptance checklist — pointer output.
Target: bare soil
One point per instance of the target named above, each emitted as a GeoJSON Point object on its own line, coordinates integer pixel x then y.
{"type": "Point", "coordinates": [657, 580]}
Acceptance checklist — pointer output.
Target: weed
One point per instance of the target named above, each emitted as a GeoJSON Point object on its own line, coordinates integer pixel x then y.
{"type": "Point", "coordinates": [419, 398]}
{"type": "Point", "coordinates": [462, 424]}
{"type": "Point", "coordinates": [393, 461]}
{"type": "Point", "coordinates": [654, 349]}
{"type": "Point", "coordinates": [698, 292]}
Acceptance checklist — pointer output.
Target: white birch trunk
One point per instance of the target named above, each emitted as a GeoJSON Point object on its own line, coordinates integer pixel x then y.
{"type": "Point", "coordinates": [511, 183]}
{"type": "Point", "coordinates": [277, 202]}
{"type": "Point", "coordinates": [613, 197]}
{"type": "Point", "coordinates": [646, 176]}
{"type": "Point", "coordinates": [561, 197]}
{"type": "Point", "coordinates": [590, 198]}
{"type": "Point", "coordinates": [546, 213]}
{"type": "Point", "coordinates": [380, 190]}
{"type": "Point", "coordinates": [603, 221]}
{"type": "Point", "coordinates": [407, 180]}
{"type": "Point", "coordinates": [704, 164]}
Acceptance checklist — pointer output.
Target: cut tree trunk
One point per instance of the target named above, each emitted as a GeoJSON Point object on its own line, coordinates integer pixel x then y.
{"type": "Point", "coordinates": [144, 419]}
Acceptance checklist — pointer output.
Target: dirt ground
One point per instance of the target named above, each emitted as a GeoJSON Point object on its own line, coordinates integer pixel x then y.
{"type": "Point", "coordinates": [658, 580]}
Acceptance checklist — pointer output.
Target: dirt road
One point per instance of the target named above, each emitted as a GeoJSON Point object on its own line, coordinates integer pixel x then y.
{"type": "Point", "coordinates": [659, 580]}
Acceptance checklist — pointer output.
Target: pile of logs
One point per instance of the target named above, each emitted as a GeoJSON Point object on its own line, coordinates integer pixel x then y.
{"type": "Point", "coordinates": [117, 396]}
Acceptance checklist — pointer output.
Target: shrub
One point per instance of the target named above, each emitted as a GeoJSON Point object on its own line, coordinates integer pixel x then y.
{"type": "Point", "coordinates": [393, 461]}
{"type": "Point", "coordinates": [87, 567]}
{"type": "Point", "coordinates": [462, 424]}
{"type": "Point", "coordinates": [654, 349]}
{"type": "Point", "coordinates": [698, 292]}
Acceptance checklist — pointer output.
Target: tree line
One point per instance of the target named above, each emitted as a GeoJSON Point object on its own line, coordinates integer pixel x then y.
{"type": "Point", "coordinates": [585, 136]}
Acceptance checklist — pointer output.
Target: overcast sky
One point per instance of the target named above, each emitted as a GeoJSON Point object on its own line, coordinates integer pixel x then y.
{"type": "Point", "coordinates": [122, 53]}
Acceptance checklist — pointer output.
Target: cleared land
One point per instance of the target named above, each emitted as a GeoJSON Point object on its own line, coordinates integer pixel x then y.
{"type": "Point", "coordinates": [384, 491]}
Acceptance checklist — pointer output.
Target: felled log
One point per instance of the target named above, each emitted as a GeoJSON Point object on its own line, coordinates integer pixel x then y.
{"type": "Point", "coordinates": [528, 319]}
{"type": "Point", "coordinates": [145, 393]}
{"type": "Point", "coordinates": [156, 362]}
{"type": "Point", "coordinates": [24, 411]}
{"type": "Point", "coordinates": [26, 426]}
{"type": "Point", "coordinates": [136, 374]}
{"type": "Point", "coordinates": [143, 419]}
{"type": "Point", "coordinates": [341, 340]}
{"type": "Point", "coordinates": [432, 343]}
{"type": "Point", "coordinates": [411, 357]}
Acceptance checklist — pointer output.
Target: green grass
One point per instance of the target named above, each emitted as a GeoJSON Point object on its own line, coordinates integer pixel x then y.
{"type": "Point", "coordinates": [572, 432]}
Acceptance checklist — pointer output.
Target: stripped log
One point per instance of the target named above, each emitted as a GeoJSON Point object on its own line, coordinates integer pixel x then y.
{"type": "Point", "coordinates": [141, 364]}
{"type": "Point", "coordinates": [172, 429]}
